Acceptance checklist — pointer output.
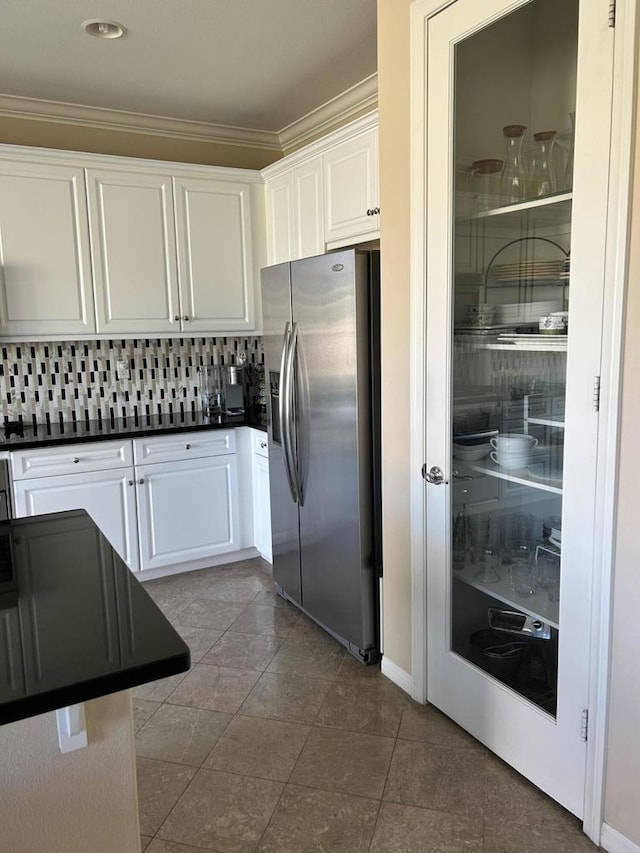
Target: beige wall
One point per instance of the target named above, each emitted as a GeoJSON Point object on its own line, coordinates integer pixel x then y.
{"type": "Point", "coordinates": [44, 134]}
{"type": "Point", "coordinates": [81, 801]}
{"type": "Point", "coordinates": [622, 798]}
{"type": "Point", "coordinates": [393, 105]}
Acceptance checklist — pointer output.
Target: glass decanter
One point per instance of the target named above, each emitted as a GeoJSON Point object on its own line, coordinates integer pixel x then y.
{"type": "Point", "coordinates": [484, 184]}
{"type": "Point", "coordinates": [513, 180]}
{"type": "Point", "coordinates": [542, 180]}
{"type": "Point", "coordinates": [567, 183]}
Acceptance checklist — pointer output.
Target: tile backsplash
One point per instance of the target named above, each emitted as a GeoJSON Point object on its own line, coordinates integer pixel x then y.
{"type": "Point", "coordinates": [80, 380]}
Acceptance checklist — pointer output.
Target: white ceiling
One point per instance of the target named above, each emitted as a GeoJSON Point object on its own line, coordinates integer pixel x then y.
{"type": "Point", "coordinates": [258, 64]}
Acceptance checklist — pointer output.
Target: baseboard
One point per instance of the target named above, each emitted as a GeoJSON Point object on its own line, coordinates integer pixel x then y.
{"type": "Point", "coordinates": [615, 842]}
{"type": "Point", "coordinates": [399, 676]}
{"type": "Point", "coordinates": [194, 565]}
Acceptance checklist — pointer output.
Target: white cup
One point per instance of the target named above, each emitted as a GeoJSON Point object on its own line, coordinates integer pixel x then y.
{"type": "Point", "coordinates": [511, 461]}
{"type": "Point", "coordinates": [512, 442]}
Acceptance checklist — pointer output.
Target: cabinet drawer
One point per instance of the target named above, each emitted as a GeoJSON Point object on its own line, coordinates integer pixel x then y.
{"type": "Point", "coordinates": [259, 443]}
{"type": "Point", "coordinates": [71, 459]}
{"type": "Point", "coordinates": [185, 445]}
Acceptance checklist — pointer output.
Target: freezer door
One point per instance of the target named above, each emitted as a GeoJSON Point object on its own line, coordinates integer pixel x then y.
{"type": "Point", "coordinates": [330, 305]}
{"type": "Point", "coordinates": [276, 310]}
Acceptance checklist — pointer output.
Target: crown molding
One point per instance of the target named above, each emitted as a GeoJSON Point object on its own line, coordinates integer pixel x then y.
{"type": "Point", "coordinates": [322, 144]}
{"type": "Point", "coordinates": [100, 118]}
{"type": "Point", "coordinates": [325, 118]}
{"type": "Point", "coordinates": [339, 110]}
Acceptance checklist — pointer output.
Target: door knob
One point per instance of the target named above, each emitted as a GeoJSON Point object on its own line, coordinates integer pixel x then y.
{"type": "Point", "coordinates": [434, 476]}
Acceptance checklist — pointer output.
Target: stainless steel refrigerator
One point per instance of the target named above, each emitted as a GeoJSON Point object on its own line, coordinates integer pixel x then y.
{"type": "Point", "coordinates": [321, 343]}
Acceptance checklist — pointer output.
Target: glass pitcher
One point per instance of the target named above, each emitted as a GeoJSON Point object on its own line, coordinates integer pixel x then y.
{"type": "Point", "coordinates": [211, 390]}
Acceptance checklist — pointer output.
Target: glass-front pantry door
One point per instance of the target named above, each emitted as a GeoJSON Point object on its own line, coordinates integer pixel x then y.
{"type": "Point", "coordinates": [515, 246]}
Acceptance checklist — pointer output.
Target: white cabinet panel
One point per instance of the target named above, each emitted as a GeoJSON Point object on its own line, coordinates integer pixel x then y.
{"type": "Point", "coordinates": [308, 196]}
{"type": "Point", "coordinates": [351, 189]}
{"type": "Point", "coordinates": [280, 219]}
{"type": "Point", "coordinates": [261, 506]}
{"type": "Point", "coordinates": [215, 260]}
{"type": "Point", "coordinates": [187, 510]}
{"type": "Point", "coordinates": [134, 253]}
{"type": "Point", "coordinates": [45, 272]}
{"type": "Point", "coordinates": [108, 497]}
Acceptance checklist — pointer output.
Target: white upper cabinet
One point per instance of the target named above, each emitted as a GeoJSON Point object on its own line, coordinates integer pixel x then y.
{"type": "Point", "coordinates": [45, 272]}
{"type": "Point", "coordinates": [215, 259]}
{"type": "Point", "coordinates": [134, 253]}
{"type": "Point", "coordinates": [295, 212]}
{"type": "Point", "coordinates": [325, 195]}
{"type": "Point", "coordinates": [308, 206]}
{"type": "Point", "coordinates": [352, 204]}
{"type": "Point", "coordinates": [280, 219]}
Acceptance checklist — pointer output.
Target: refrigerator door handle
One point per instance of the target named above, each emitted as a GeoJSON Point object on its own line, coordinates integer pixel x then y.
{"type": "Point", "coordinates": [291, 368]}
{"type": "Point", "coordinates": [283, 407]}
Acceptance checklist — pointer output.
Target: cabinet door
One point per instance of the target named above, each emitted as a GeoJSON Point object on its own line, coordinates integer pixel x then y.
{"type": "Point", "coordinates": [308, 197]}
{"type": "Point", "coordinates": [261, 506]}
{"type": "Point", "coordinates": [108, 497]}
{"type": "Point", "coordinates": [45, 277]}
{"type": "Point", "coordinates": [187, 510]}
{"type": "Point", "coordinates": [134, 252]}
{"type": "Point", "coordinates": [215, 260]}
{"type": "Point", "coordinates": [351, 190]}
{"type": "Point", "coordinates": [509, 599]}
{"type": "Point", "coordinates": [280, 219]}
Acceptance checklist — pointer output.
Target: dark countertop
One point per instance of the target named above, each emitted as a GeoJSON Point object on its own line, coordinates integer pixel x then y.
{"type": "Point", "coordinates": [68, 432]}
{"type": "Point", "coordinates": [75, 623]}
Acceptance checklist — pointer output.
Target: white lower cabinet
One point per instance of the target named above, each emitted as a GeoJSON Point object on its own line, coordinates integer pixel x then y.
{"type": "Point", "coordinates": [202, 500]}
{"type": "Point", "coordinates": [108, 497]}
{"type": "Point", "coordinates": [187, 510]}
{"type": "Point", "coordinates": [261, 507]}
{"type": "Point", "coordinates": [260, 493]}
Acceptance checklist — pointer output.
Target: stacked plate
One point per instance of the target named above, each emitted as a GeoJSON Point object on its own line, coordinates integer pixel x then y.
{"type": "Point", "coordinates": [535, 272]}
{"type": "Point", "coordinates": [523, 313]}
{"type": "Point", "coordinates": [543, 343]}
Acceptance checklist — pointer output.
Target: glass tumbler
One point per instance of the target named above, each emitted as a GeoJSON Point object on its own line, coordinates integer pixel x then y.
{"type": "Point", "coordinates": [513, 180]}
{"type": "Point", "coordinates": [486, 557]}
{"type": "Point", "coordinates": [521, 576]}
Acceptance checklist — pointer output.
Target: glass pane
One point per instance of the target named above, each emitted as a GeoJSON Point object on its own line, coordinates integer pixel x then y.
{"type": "Point", "coordinates": [513, 156]}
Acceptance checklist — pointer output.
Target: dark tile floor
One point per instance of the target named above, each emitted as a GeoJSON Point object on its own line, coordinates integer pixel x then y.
{"type": "Point", "coordinates": [277, 741]}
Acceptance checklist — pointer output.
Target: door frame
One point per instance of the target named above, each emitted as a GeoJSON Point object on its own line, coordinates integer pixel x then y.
{"type": "Point", "coordinates": [617, 245]}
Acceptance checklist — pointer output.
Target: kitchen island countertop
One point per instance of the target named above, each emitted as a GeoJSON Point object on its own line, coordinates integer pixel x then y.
{"type": "Point", "coordinates": [76, 624]}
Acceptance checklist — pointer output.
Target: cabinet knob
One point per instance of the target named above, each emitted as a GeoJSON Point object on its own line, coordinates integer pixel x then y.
{"type": "Point", "coordinates": [76, 459]}
{"type": "Point", "coordinates": [185, 318]}
{"type": "Point", "coordinates": [176, 319]}
{"type": "Point", "coordinates": [369, 212]}
{"type": "Point", "coordinates": [263, 444]}
{"type": "Point", "coordinates": [141, 481]}
{"type": "Point", "coordinates": [130, 482]}
{"type": "Point", "coordinates": [188, 446]}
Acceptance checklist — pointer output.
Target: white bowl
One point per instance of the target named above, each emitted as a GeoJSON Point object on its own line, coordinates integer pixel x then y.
{"type": "Point", "coordinates": [470, 453]}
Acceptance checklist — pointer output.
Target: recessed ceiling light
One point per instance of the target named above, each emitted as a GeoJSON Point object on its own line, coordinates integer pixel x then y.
{"type": "Point", "coordinates": [103, 29]}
